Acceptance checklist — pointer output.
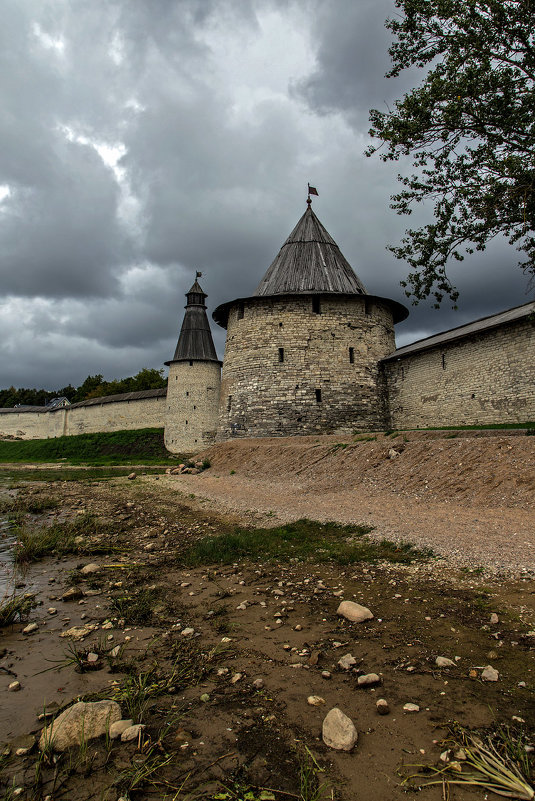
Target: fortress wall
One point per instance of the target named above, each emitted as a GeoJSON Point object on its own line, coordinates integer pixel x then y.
{"type": "Point", "coordinates": [32, 425]}
{"type": "Point", "coordinates": [191, 406]}
{"type": "Point", "coordinates": [488, 377]}
{"type": "Point", "coordinates": [268, 393]}
{"type": "Point", "coordinates": [118, 416]}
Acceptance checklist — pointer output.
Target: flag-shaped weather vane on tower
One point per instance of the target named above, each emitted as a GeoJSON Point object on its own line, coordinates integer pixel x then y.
{"type": "Point", "coordinates": [311, 191]}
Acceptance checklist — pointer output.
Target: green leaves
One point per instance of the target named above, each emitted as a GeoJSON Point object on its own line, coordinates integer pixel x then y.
{"type": "Point", "coordinates": [470, 129]}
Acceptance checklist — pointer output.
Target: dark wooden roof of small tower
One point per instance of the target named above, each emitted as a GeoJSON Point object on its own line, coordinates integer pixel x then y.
{"type": "Point", "coordinates": [309, 263]}
{"type": "Point", "coordinates": [195, 342]}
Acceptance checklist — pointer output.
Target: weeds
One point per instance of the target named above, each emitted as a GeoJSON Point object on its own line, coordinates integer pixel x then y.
{"type": "Point", "coordinates": [135, 609]}
{"type": "Point", "coordinates": [495, 761]}
{"type": "Point", "coordinates": [62, 538]}
{"type": "Point", "coordinates": [15, 608]}
{"type": "Point", "coordinates": [23, 505]}
{"type": "Point", "coordinates": [301, 540]}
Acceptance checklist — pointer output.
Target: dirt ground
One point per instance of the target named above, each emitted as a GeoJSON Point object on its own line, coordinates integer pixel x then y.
{"type": "Point", "coordinates": [212, 729]}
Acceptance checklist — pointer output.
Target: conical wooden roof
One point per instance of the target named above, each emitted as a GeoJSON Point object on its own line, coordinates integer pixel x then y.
{"type": "Point", "coordinates": [195, 342]}
{"type": "Point", "coordinates": [310, 261]}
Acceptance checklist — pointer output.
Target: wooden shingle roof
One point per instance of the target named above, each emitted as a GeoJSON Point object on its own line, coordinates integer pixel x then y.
{"type": "Point", "coordinates": [310, 261]}
{"type": "Point", "coordinates": [195, 341]}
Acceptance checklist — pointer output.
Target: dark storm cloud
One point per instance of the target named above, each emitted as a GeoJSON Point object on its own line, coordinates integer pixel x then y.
{"type": "Point", "coordinates": [97, 248]}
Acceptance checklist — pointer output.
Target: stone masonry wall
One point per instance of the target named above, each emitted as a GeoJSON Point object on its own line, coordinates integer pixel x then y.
{"type": "Point", "coordinates": [288, 370]}
{"type": "Point", "coordinates": [486, 378]}
{"type": "Point", "coordinates": [192, 405]}
{"type": "Point", "coordinates": [124, 415]}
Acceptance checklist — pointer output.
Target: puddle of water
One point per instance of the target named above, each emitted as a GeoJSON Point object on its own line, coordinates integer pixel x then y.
{"type": "Point", "coordinates": [10, 478]}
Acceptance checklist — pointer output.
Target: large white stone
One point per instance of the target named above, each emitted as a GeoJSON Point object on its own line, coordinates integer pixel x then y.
{"type": "Point", "coordinates": [339, 731]}
{"type": "Point", "coordinates": [354, 612]}
{"type": "Point", "coordinates": [79, 723]}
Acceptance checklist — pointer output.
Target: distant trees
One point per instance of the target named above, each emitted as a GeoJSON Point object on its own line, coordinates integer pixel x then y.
{"type": "Point", "coordinates": [94, 386]}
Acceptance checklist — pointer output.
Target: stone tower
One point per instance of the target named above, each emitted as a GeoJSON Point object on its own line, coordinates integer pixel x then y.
{"type": "Point", "coordinates": [302, 353]}
{"type": "Point", "coordinates": [194, 381]}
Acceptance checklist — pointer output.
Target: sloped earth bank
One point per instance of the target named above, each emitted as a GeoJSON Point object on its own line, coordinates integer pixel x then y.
{"type": "Point", "coordinates": [212, 729]}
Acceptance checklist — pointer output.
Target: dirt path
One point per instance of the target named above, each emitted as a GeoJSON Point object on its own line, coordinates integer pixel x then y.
{"type": "Point", "coordinates": [471, 499]}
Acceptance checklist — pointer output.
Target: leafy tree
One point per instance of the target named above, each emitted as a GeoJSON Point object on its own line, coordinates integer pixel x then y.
{"type": "Point", "coordinates": [470, 128]}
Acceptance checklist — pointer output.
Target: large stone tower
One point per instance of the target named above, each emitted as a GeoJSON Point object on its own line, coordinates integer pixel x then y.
{"type": "Point", "coordinates": [302, 353]}
{"type": "Point", "coordinates": [194, 381]}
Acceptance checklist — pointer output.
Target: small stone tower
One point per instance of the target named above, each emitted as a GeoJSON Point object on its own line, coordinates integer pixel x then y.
{"type": "Point", "coordinates": [302, 353]}
{"type": "Point", "coordinates": [194, 381]}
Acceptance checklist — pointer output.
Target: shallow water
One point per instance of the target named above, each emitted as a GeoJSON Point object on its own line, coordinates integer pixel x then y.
{"type": "Point", "coordinates": [10, 478]}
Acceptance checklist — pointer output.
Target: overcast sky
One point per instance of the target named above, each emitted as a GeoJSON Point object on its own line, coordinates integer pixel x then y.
{"type": "Point", "coordinates": [142, 140]}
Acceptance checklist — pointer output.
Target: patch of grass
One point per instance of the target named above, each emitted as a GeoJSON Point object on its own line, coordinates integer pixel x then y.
{"type": "Point", "coordinates": [142, 446]}
{"type": "Point", "coordinates": [14, 608]}
{"type": "Point", "coordinates": [366, 438]}
{"type": "Point", "coordinates": [302, 540]}
{"type": "Point", "coordinates": [135, 608]}
{"type": "Point", "coordinates": [28, 505]}
{"type": "Point", "coordinates": [34, 543]}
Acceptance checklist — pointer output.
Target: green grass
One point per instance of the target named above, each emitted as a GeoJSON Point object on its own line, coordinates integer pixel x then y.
{"type": "Point", "coordinates": [24, 505]}
{"type": "Point", "coordinates": [144, 446]}
{"type": "Point", "coordinates": [32, 544]}
{"type": "Point", "coordinates": [15, 608]}
{"type": "Point", "coordinates": [530, 425]}
{"type": "Point", "coordinates": [302, 540]}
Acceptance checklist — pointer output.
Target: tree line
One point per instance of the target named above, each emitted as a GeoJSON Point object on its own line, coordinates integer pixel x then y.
{"type": "Point", "coordinates": [94, 386]}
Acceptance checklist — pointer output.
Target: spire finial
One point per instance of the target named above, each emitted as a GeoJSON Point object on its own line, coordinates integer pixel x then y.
{"type": "Point", "coordinates": [198, 274]}
{"type": "Point", "coordinates": [311, 191]}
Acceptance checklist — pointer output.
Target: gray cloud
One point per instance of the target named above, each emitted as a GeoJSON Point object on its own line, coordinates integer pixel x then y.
{"type": "Point", "coordinates": [142, 141]}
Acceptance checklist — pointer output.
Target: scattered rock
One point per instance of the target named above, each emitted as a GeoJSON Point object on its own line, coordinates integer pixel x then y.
{"type": "Point", "coordinates": [14, 687]}
{"type": "Point", "coordinates": [326, 674]}
{"type": "Point", "coordinates": [204, 698]}
{"type": "Point", "coordinates": [443, 662]}
{"type": "Point", "coordinates": [72, 594]}
{"type": "Point", "coordinates": [52, 610]}
{"type": "Point", "coordinates": [132, 732]}
{"type": "Point", "coordinates": [346, 662]}
{"type": "Point", "coordinates": [354, 612]}
{"type": "Point", "coordinates": [315, 700]}
{"type": "Point", "coordinates": [411, 708]}
{"type": "Point", "coordinates": [236, 677]}
{"type": "Point", "coordinates": [81, 722]}
{"type": "Point", "coordinates": [117, 728]}
{"type": "Point", "coordinates": [368, 680]}
{"type": "Point", "coordinates": [258, 684]}
{"type": "Point", "coordinates": [131, 476]}
{"type": "Point", "coordinates": [114, 653]}
{"type": "Point", "coordinates": [494, 618]}
{"type": "Point", "coordinates": [31, 628]}
{"type": "Point", "coordinates": [339, 731]}
{"type": "Point", "coordinates": [79, 632]}
{"type": "Point", "coordinates": [392, 453]}
{"type": "Point", "coordinates": [187, 632]}
{"type": "Point", "coordinates": [382, 706]}
{"type": "Point", "coordinates": [92, 657]}
{"type": "Point", "coordinates": [91, 568]}
{"type": "Point", "coordinates": [23, 745]}
{"type": "Point", "coordinates": [490, 674]}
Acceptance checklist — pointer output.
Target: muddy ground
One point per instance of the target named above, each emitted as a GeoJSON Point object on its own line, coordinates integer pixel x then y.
{"type": "Point", "coordinates": [213, 730]}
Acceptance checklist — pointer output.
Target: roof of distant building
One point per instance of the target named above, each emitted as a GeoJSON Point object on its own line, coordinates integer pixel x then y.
{"type": "Point", "coordinates": [461, 331]}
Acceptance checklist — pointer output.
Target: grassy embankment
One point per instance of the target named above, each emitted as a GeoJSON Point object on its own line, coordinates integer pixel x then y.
{"type": "Point", "coordinates": [144, 446]}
